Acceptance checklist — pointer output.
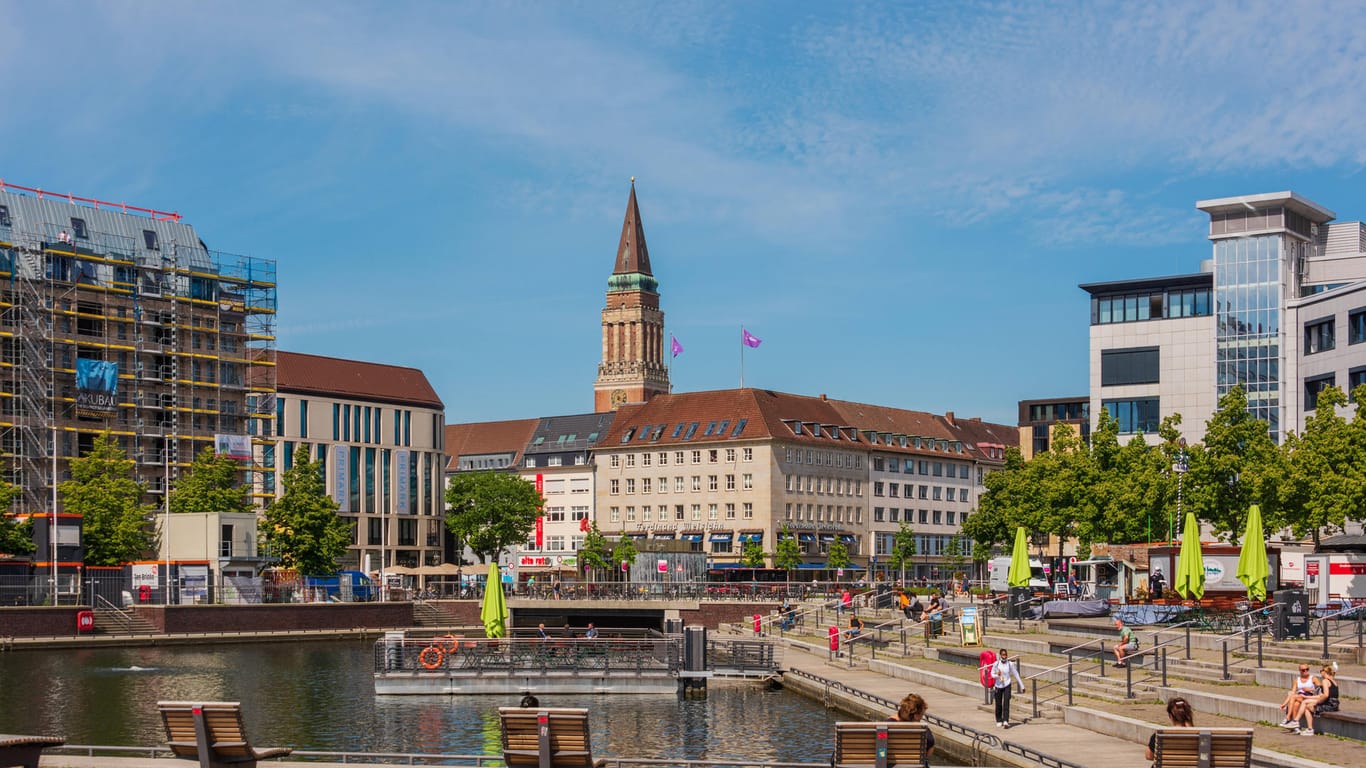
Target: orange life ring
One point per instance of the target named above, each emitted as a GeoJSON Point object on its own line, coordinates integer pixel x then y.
{"type": "Point", "coordinates": [452, 641]}
{"type": "Point", "coordinates": [431, 657]}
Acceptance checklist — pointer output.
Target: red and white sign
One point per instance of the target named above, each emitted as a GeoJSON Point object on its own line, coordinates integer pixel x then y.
{"type": "Point", "coordinates": [1340, 569]}
{"type": "Point", "coordinates": [540, 531]}
{"type": "Point", "coordinates": [539, 560]}
{"type": "Point", "coordinates": [663, 566]}
{"type": "Point", "coordinates": [1311, 568]}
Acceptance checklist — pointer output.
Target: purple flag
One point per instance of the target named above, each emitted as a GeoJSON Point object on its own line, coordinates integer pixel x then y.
{"type": "Point", "coordinates": [749, 339]}
{"type": "Point", "coordinates": [675, 347]}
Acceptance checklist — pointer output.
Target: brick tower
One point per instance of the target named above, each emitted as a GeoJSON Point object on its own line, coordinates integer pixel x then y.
{"type": "Point", "coordinates": [632, 368]}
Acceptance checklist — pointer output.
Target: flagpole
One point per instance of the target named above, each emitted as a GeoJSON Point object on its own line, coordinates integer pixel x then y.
{"type": "Point", "coordinates": [668, 365]}
{"type": "Point", "coordinates": [742, 356]}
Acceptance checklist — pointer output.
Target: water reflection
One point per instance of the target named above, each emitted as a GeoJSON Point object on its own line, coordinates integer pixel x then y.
{"type": "Point", "coordinates": [321, 696]}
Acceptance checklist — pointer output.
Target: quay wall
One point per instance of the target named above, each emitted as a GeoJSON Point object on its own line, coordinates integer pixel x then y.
{"type": "Point", "coordinates": [38, 621]}
{"type": "Point", "coordinates": [176, 619]}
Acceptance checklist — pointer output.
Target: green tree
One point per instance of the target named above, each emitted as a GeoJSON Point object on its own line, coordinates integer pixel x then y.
{"type": "Point", "coordinates": [491, 511]}
{"type": "Point", "coordinates": [594, 551]}
{"type": "Point", "coordinates": [103, 492]}
{"type": "Point", "coordinates": [624, 551]}
{"type": "Point", "coordinates": [837, 556]}
{"type": "Point", "coordinates": [212, 484]}
{"type": "Point", "coordinates": [903, 549]}
{"type": "Point", "coordinates": [1235, 467]}
{"type": "Point", "coordinates": [752, 555]}
{"type": "Point", "coordinates": [787, 554]}
{"type": "Point", "coordinates": [1323, 483]}
{"type": "Point", "coordinates": [302, 527]}
{"type": "Point", "coordinates": [953, 555]}
{"type": "Point", "coordinates": [16, 538]}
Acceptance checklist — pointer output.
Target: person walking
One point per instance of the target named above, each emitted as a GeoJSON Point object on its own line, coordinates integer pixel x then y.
{"type": "Point", "coordinates": [1004, 679]}
{"type": "Point", "coordinates": [846, 601]}
{"type": "Point", "coordinates": [1180, 713]}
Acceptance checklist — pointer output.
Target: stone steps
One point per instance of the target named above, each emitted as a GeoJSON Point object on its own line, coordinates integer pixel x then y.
{"type": "Point", "coordinates": [116, 622]}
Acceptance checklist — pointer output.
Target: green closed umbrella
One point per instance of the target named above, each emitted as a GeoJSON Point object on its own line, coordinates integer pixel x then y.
{"type": "Point", "coordinates": [1018, 575]}
{"type": "Point", "coordinates": [1252, 567]}
{"type": "Point", "coordinates": [1190, 564]}
{"type": "Point", "coordinates": [494, 611]}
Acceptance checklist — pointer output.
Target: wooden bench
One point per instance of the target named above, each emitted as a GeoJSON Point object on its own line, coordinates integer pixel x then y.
{"type": "Point", "coordinates": [1202, 748]}
{"type": "Point", "coordinates": [211, 732]}
{"type": "Point", "coordinates": [25, 750]}
{"type": "Point", "coordinates": [546, 738]}
{"type": "Point", "coordinates": [881, 745]}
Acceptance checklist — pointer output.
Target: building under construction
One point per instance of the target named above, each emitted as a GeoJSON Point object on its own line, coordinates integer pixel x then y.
{"type": "Point", "coordinates": [120, 318]}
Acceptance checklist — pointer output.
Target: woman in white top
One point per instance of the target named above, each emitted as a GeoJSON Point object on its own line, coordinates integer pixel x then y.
{"type": "Point", "coordinates": [1004, 679]}
{"type": "Point", "coordinates": [1305, 685]}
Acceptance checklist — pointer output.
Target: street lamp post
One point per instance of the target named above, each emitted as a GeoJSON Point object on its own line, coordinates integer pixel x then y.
{"type": "Point", "coordinates": [1180, 466]}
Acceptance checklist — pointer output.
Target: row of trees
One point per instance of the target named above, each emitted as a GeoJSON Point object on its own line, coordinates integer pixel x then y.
{"type": "Point", "coordinates": [1311, 484]}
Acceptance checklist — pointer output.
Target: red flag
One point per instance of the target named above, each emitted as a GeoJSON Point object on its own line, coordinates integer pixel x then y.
{"type": "Point", "coordinates": [583, 524]}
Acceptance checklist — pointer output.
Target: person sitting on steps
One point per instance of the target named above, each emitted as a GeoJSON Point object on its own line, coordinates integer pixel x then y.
{"type": "Point", "coordinates": [1127, 643]}
{"type": "Point", "coordinates": [1326, 700]}
{"type": "Point", "coordinates": [1305, 686]}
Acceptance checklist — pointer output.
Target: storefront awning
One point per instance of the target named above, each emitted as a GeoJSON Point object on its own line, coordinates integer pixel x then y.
{"type": "Point", "coordinates": [827, 537]}
{"type": "Point", "coordinates": [664, 537]}
{"type": "Point", "coordinates": [720, 537]}
{"type": "Point", "coordinates": [847, 539]}
{"type": "Point", "coordinates": [754, 537]}
{"type": "Point", "coordinates": [635, 536]}
{"type": "Point", "coordinates": [691, 537]}
{"type": "Point", "coordinates": [806, 537]}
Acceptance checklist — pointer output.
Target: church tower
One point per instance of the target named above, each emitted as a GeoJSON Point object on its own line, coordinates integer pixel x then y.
{"type": "Point", "coordinates": [632, 368]}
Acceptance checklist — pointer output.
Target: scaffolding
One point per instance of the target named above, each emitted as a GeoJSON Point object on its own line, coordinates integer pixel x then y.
{"type": "Point", "coordinates": [192, 332]}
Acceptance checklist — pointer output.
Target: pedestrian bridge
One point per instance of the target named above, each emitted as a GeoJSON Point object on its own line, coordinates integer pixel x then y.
{"type": "Point", "coordinates": [642, 663]}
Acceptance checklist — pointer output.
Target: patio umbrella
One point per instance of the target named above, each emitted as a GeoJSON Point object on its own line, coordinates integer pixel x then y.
{"type": "Point", "coordinates": [1252, 567]}
{"type": "Point", "coordinates": [1190, 564]}
{"type": "Point", "coordinates": [495, 608]}
{"type": "Point", "coordinates": [1018, 575]}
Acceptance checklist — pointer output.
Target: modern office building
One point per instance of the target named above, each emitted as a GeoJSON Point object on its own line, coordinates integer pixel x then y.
{"type": "Point", "coordinates": [120, 318]}
{"type": "Point", "coordinates": [1264, 313]}
{"type": "Point", "coordinates": [379, 430]}
{"type": "Point", "coordinates": [1038, 418]}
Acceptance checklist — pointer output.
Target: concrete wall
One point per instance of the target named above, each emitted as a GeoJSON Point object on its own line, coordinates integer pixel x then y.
{"type": "Point", "coordinates": [38, 622]}
{"type": "Point", "coordinates": [240, 618]}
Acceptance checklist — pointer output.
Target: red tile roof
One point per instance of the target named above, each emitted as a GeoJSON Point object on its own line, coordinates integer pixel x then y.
{"type": "Point", "coordinates": [354, 380]}
{"type": "Point", "coordinates": [771, 414]}
{"type": "Point", "coordinates": [488, 437]}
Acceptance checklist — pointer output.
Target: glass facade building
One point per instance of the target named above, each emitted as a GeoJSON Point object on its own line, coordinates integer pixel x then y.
{"type": "Point", "coordinates": [1247, 300]}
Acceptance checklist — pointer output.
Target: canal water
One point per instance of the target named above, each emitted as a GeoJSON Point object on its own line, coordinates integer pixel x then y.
{"type": "Point", "coordinates": [320, 696]}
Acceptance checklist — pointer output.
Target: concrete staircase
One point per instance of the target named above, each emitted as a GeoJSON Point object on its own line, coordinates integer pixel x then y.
{"type": "Point", "coordinates": [116, 621]}
{"type": "Point", "coordinates": [433, 615]}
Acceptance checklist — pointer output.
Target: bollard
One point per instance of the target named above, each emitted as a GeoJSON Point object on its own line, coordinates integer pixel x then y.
{"type": "Point", "coordinates": [1128, 680]}
{"type": "Point", "coordinates": [1069, 678]}
{"type": "Point", "coordinates": [1225, 645]}
{"type": "Point", "coordinates": [1259, 648]}
{"type": "Point", "coordinates": [1164, 667]}
{"type": "Point", "coordinates": [1188, 641]}
{"type": "Point", "coordinates": [758, 625]}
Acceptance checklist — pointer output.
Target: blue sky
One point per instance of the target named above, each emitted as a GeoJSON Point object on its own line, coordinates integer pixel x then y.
{"type": "Point", "coordinates": [899, 199]}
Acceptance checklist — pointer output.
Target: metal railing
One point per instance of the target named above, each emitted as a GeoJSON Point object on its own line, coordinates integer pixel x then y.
{"type": "Point", "coordinates": [448, 653]}
{"type": "Point", "coordinates": [1224, 642]}
{"type": "Point", "coordinates": [1069, 665]}
{"type": "Point", "coordinates": [1333, 625]}
{"type": "Point", "coordinates": [980, 739]}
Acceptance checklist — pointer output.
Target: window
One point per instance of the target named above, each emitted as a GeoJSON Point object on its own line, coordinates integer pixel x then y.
{"type": "Point", "coordinates": [747, 454]}
{"type": "Point", "coordinates": [1134, 415]}
{"type": "Point", "coordinates": [616, 514]}
{"type": "Point", "coordinates": [5, 220]}
{"type": "Point", "coordinates": [678, 484]}
{"type": "Point", "coordinates": [712, 482]}
{"type": "Point", "coordinates": [713, 456]}
{"type": "Point", "coordinates": [730, 482]}
{"type": "Point", "coordinates": [711, 512]}
{"type": "Point", "coordinates": [1356, 326]}
{"type": "Point", "coordinates": [1129, 366]}
{"type": "Point", "coordinates": [747, 481]}
{"type": "Point", "coordinates": [1312, 388]}
{"type": "Point", "coordinates": [894, 490]}
{"type": "Point", "coordinates": [730, 455]}
{"type": "Point", "coordinates": [630, 459]}
{"type": "Point", "coordinates": [948, 517]}
{"type": "Point", "coordinates": [645, 459]}
{"type": "Point", "coordinates": [645, 513]}
{"type": "Point", "coordinates": [697, 482]}
{"type": "Point", "coordinates": [630, 485]}
{"type": "Point", "coordinates": [630, 514]}
{"type": "Point", "coordinates": [938, 517]}
{"type": "Point", "coordinates": [613, 485]}
{"type": "Point", "coordinates": [678, 457]}
{"type": "Point", "coordinates": [730, 511]}
{"type": "Point", "coordinates": [78, 229]}
{"type": "Point", "coordinates": [663, 485]}
{"type": "Point", "coordinates": [962, 494]}
{"type": "Point", "coordinates": [748, 508]}
{"type": "Point", "coordinates": [615, 461]}
{"type": "Point", "coordinates": [938, 493]}
{"type": "Point", "coordinates": [149, 239]}
{"type": "Point", "coordinates": [645, 485]}
{"type": "Point", "coordinates": [878, 464]}
{"type": "Point", "coordinates": [877, 488]}
{"type": "Point", "coordinates": [938, 467]}
{"type": "Point", "coordinates": [1355, 378]}
{"type": "Point", "coordinates": [924, 516]}
{"type": "Point", "coordinates": [1318, 336]}
{"type": "Point", "coordinates": [697, 457]}
{"type": "Point", "coordinates": [697, 511]}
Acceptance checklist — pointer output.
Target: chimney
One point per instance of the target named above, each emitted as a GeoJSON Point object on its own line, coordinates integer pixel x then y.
{"type": "Point", "coordinates": [822, 396]}
{"type": "Point", "coordinates": [949, 416]}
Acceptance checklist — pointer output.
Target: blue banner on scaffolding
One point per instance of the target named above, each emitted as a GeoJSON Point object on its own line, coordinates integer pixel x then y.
{"type": "Point", "coordinates": [97, 385]}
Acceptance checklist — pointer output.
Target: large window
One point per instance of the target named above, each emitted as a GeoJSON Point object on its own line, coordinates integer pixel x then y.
{"type": "Point", "coordinates": [1356, 326]}
{"type": "Point", "coordinates": [1139, 415]}
{"type": "Point", "coordinates": [1355, 378]}
{"type": "Point", "coordinates": [1138, 365]}
{"type": "Point", "coordinates": [1152, 305]}
{"type": "Point", "coordinates": [1312, 388]}
{"type": "Point", "coordinates": [1318, 336]}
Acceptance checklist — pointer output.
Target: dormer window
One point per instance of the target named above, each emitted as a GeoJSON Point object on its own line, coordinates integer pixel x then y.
{"type": "Point", "coordinates": [150, 239]}
{"type": "Point", "coordinates": [78, 229]}
{"type": "Point", "coordinates": [4, 216]}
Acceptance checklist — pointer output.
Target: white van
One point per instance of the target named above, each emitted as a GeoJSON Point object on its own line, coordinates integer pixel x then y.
{"type": "Point", "coordinates": [998, 571]}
